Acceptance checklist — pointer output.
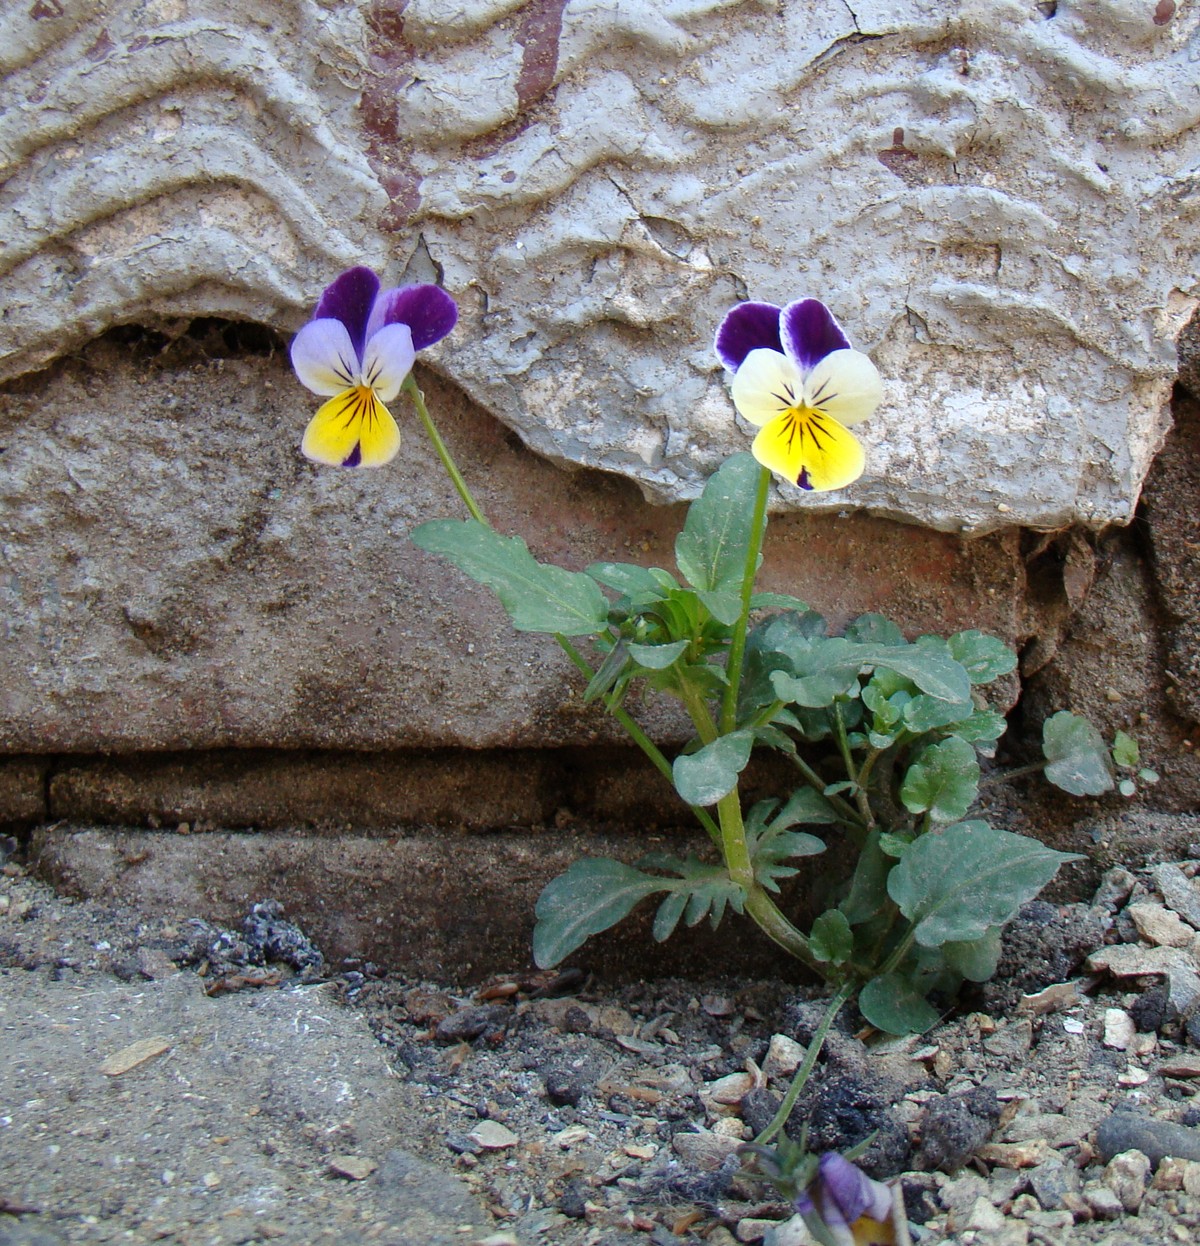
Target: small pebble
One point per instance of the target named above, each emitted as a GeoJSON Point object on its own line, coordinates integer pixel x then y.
{"type": "Point", "coordinates": [493, 1136]}
{"type": "Point", "coordinates": [1127, 1176]}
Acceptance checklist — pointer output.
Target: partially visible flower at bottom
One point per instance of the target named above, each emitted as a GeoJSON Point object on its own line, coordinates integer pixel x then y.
{"type": "Point", "coordinates": [797, 379]}
{"type": "Point", "coordinates": [842, 1206]}
{"type": "Point", "coordinates": [357, 351]}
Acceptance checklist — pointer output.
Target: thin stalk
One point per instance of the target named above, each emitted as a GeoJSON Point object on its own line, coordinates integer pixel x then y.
{"type": "Point", "coordinates": [1003, 776]}
{"type": "Point", "coordinates": [765, 914]}
{"type": "Point", "coordinates": [411, 388]}
{"type": "Point", "coordinates": [847, 810]}
{"type": "Point", "coordinates": [854, 775]}
{"type": "Point", "coordinates": [737, 643]}
{"type": "Point", "coordinates": [805, 1070]}
{"type": "Point", "coordinates": [640, 738]}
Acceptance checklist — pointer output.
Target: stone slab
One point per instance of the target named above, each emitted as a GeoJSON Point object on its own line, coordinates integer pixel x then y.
{"type": "Point", "coordinates": [447, 907]}
{"type": "Point", "coordinates": [176, 576]}
{"type": "Point", "coordinates": [996, 198]}
{"type": "Point", "coordinates": [23, 789]}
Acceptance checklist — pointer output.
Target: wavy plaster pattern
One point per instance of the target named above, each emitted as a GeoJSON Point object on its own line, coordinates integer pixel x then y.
{"type": "Point", "coordinates": [997, 197]}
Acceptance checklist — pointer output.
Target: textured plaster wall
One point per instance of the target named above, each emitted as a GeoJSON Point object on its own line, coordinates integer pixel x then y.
{"type": "Point", "coordinates": [998, 198]}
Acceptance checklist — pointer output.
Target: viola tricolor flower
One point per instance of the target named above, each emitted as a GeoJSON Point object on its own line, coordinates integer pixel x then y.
{"type": "Point", "coordinates": [798, 381]}
{"type": "Point", "coordinates": [842, 1206]}
{"type": "Point", "coordinates": [356, 351]}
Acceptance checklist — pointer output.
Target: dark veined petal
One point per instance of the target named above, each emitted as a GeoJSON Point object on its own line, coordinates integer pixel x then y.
{"type": "Point", "coordinates": [811, 450]}
{"type": "Point", "coordinates": [354, 429]}
{"type": "Point", "coordinates": [809, 332]}
{"type": "Point", "coordinates": [747, 327]}
{"type": "Point", "coordinates": [427, 310]}
{"type": "Point", "coordinates": [350, 299]}
{"type": "Point", "coordinates": [387, 360]}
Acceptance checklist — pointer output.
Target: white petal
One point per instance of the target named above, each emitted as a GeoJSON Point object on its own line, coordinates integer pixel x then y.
{"type": "Point", "coordinates": [324, 357]}
{"type": "Point", "coordinates": [846, 384]}
{"type": "Point", "coordinates": [387, 360]}
{"type": "Point", "coordinates": [766, 384]}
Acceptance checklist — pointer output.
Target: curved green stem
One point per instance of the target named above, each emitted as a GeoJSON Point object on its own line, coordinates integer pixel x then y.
{"type": "Point", "coordinates": [737, 643]}
{"type": "Point", "coordinates": [848, 813]}
{"type": "Point", "coordinates": [779, 1120]}
{"type": "Point", "coordinates": [411, 388]}
{"type": "Point", "coordinates": [640, 738]}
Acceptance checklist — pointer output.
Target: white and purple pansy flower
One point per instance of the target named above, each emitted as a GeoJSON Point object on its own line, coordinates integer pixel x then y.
{"type": "Point", "coordinates": [357, 351]}
{"type": "Point", "coordinates": [844, 1207]}
{"type": "Point", "coordinates": [799, 382]}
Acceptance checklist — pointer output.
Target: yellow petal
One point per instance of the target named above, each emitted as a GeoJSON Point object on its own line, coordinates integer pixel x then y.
{"type": "Point", "coordinates": [810, 449]}
{"type": "Point", "coordinates": [353, 429]}
{"type": "Point", "coordinates": [869, 1232]}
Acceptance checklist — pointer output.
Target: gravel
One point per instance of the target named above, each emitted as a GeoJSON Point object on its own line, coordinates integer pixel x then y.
{"type": "Point", "coordinates": [171, 1082]}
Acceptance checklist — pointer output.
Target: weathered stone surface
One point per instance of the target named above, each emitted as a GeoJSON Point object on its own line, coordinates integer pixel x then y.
{"type": "Point", "coordinates": [1173, 527]}
{"type": "Point", "coordinates": [989, 194]}
{"type": "Point", "coordinates": [178, 577]}
{"type": "Point", "coordinates": [385, 899]}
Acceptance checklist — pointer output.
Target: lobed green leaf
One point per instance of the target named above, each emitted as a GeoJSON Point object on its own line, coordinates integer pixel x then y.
{"type": "Point", "coordinates": [711, 772]}
{"type": "Point", "coordinates": [538, 597]}
{"type": "Point", "coordinates": [955, 884]}
{"type": "Point", "coordinates": [591, 896]}
{"type": "Point", "coordinates": [943, 781]}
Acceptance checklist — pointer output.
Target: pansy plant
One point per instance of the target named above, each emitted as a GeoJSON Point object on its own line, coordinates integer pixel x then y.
{"type": "Point", "coordinates": [884, 734]}
{"type": "Point", "coordinates": [357, 351]}
{"type": "Point", "coordinates": [799, 382]}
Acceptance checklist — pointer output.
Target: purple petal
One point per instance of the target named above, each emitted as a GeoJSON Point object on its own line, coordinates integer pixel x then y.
{"type": "Point", "coordinates": [844, 1186]}
{"type": "Point", "coordinates": [427, 310]}
{"type": "Point", "coordinates": [747, 327]}
{"type": "Point", "coordinates": [810, 332]}
{"type": "Point", "coordinates": [350, 299]}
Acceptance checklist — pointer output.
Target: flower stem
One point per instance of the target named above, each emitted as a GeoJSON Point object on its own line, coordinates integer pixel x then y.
{"type": "Point", "coordinates": [639, 737]}
{"type": "Point", "coordinates": [779, 1120]}
{"type": "Point", "coordinates": [737, 643]}
{"type": "Point", "coordinates": [412, 389]}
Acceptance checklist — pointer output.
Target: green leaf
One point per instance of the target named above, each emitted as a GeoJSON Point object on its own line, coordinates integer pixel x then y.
{"type": "Point", "coordinates": [977, 959]}
{"type": "Point", "coordinates": [984, 657]}
{"type": "Point", "coordinates": [711, 549]}
{"type": "Point", "coordinates": [668, 915]}
{"type": "Point", "coordinates": [656, 657]}
{"type": "Point", "coordinates": [894, 845]}
{"type": "Point", "coordinates": [591, 896]}
{"type": "Point", "coordinates": [538, 597]}
{"type": "Point", "coordinates": [954, 884]}
{"type": "Point", "coordinates": [981, 727]}
{"type": "Point", "coordinates": [925, 713]}
{"type": "Point", "coordinates": [1125, 751]}
{"type": "Point", "coordinates": [1127, 787]}
{"type": "Point", "coordinates": [868, 887]}
{"type": "Point", "coordinates": [831, 939]}
{"type": "Point", "coordinates": [932, 670]}
{"type": "Point", "coordinates": [608, 673]}
{"type": "Point", "coordinates": [805, 806]}
{"type": "Point", "coordinates": [711, 772]}
{"type": "Point", "coordinates": [777, 601]}
{"type": "Point", "coordinates": [1148, 776]}
{"type": "Point", "coordinates": [944, 781]}
{"type": "Point", "coordinates": [874, 629]}
{"type": "Point", "coordinates": [726, 608]}
{"type": "Point", "coordinates": [1078, 758]}
{"type": "Point", "coordinates": [629, 578]}
{"type": "Point", "coordinates": [895, 1005]}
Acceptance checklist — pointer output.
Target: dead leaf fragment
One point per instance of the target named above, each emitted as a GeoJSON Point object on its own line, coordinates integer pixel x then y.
{"type": "Point", "coordinates": [133, 1055]}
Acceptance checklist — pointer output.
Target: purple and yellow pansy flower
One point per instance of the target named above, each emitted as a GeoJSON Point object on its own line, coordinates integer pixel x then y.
{"type": "Point", "coordinates": [357, 351]}
{"type": "Point", "coordinates": [844, 1207]}
{"type": "Point", "coordinates": [798, 381]}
